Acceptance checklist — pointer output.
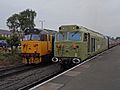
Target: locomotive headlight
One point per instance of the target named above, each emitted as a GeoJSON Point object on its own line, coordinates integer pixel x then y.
{"type": "Point", "coordinates": [75, 46]}
{"type": "Point", "coordinates": [24, 45]}
{"type": "Point", "coordinates": [58, 46]}
{"type": "Point", "coordinates": [62, 45]}
{"type": "Point", "coordinates": [35, 45]}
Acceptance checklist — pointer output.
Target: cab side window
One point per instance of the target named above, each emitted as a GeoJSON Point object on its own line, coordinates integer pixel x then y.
{"type": "Point", "coordinates": [85, 36]}
{"type": "Point", "coordinates": [43, 37]}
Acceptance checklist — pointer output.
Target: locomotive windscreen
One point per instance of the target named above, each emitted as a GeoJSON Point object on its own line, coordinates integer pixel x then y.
{"type": "Point", "coordinates": [61, 36]}
{"type": "Point", "coordinates": [32, 31]}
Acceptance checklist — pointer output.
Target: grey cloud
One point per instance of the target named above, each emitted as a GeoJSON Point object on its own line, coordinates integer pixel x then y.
{"type": "Point", "coordinates": [100, 15]}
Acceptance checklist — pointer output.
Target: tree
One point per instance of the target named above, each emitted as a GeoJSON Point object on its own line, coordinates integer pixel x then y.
{"type": "Point", "coordinates": [26, 19]}
{"type": "Point", "coordinates": [14, 40]}
{"type": "Point", "coordinates": [13, 23]}
{"type": "Point", "coordinates": [23, 20]}
{"type": "Point", "coordinates": [2, 38]}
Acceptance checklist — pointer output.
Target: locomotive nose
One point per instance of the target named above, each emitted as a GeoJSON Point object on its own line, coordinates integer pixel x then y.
{"type": "Point", "coordinates": [54, 59]}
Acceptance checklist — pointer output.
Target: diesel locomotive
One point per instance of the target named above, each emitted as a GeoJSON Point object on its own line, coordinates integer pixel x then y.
{"type": "Point", "coordinates": [73, 44]}
{"type": "Point", "coordinates": [37, 45]}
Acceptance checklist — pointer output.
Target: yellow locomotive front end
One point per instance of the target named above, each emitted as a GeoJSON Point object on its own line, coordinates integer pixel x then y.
{"type": "Point", "coordinates": [36, 46]}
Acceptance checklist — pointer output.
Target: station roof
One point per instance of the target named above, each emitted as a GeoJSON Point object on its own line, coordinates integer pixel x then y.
{"type": "Point", "coordinates": [5, 32]}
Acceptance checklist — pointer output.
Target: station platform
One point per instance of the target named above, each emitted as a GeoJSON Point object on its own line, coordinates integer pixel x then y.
{"type": "Point", "coordinates": [99, 73]}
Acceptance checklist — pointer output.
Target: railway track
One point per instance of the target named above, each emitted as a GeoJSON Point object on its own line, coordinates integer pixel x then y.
{"type": "Point", "coordinates": [40, 80]}
{"type": "Point", "coordinates": [14, 70]}
{"type": "Point", "coordinates": [46, 78]}
{"type": "Point", "coordinates": [24, 76]}
{"type": "Point", "coordinates": [10, 67]}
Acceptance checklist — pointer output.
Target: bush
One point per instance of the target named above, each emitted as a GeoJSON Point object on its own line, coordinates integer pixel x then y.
{"type": "Point", "coordinates": [10, 58]}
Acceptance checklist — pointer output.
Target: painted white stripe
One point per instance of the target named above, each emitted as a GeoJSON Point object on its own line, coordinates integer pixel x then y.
{"type": "Point", "coordinates": [66, 71]}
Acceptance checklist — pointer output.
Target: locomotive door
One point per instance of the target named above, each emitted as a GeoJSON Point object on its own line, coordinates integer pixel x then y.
{"type": "Point", "coordinates": [92, 44]}
{"type": "Point", "coordinates": [89, 42]}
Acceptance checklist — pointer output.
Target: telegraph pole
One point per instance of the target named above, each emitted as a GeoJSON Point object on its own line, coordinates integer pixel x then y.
{"type": "Point", "coordinates": [42, 23]}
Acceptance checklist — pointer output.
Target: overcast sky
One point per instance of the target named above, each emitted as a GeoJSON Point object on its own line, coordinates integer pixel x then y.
{"type": "Point", "coordinates": [99, 15]}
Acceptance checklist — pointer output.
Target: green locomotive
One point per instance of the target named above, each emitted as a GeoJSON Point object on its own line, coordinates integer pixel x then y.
{"type": "Point", "coordinates": [73, 44]}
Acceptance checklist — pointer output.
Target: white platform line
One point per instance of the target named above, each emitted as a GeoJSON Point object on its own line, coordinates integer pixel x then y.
{"type": "Point", "coordinates": [65, 71]}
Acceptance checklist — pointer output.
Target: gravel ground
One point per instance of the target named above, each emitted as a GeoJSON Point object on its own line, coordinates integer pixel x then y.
{"type": "Point", "coordinates": [17, 81]}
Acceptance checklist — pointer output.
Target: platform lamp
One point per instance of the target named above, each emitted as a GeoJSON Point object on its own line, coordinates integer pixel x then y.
{"type": "Point", "coordinates": [42, 23]}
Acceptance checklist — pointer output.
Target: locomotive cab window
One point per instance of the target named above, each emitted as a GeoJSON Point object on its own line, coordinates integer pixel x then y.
{"type": "Point", "coordinates": [27, 37]}
{"type": "Point", "coordinates": [43, 37]}
{"type": "Point", "coordinates": [35, 37]}
{"type": "Point", "coordinates": [74, 36]}
{"type": "Point", "coordinates": [85, 36]}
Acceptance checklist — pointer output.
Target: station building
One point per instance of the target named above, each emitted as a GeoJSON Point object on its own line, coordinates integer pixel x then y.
{"type": "Point", "coordinates": [5, 33]}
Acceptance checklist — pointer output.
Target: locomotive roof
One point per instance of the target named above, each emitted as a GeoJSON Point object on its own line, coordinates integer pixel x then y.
{"type": "Point", "coordinates": [80, 28]}
{"type": "Point", "coordinates": [39, 31]}
{"type": "Point", "coordinates": [84, 29]}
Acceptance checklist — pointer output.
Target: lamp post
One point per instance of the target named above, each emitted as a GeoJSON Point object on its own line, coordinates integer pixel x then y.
{"type": "Point", "coordinates": [42, 23]}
